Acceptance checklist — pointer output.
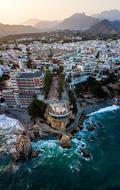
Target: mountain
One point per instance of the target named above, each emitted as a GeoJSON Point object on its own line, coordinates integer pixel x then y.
{"type": "Point", "coordinates": [106, 26]}
{"type": "Point", "coordinates": [46, 25]}
{"type": "Point", "coordinates": [41, 24]}
{"type": "Point", "coordinates": [6, 29]}
{"type": "Point", "coordinates": [78, 21]}
{"type": "Point", "coordinates": [31, 22]}
{"type": "Point", "coordinates": [111, 15]}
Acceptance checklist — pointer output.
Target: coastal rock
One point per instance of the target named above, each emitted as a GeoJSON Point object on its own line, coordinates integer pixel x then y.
{"type": "Point", "coordinates": [99, 125]}
{"type": "Point", "coordinates": [34, 154]}
{"type": "Point", "coordinates": [91, 138]}
{"type": "Point", "coordinates": [35, 131]}
{"type": "Point", "coordinates": [85, 153]}
{"type": "Point", "coordinates": [32, 136]}
{"type": "Point", "coordinates": [23, 148]}
{"type": "Point", "coordinates": [70, 135]}
{"type": "Point", "coordinates": [79, 138]}
{"type": "Point", "coordinates": [17, 156]}
{"type": "Point", "coordinates": [43, 135]}
{"type": "Point", "coordinates": [73, 131]}
{"type": "Point", "coordinates": [65, 141]}
{"type": "Point", "coordinates": [77, 129]}
{"type": "Point", "coordinates": [81, 127]}
{"type": "Point", "coordinates": [91, 128]}
{"type": "Point", "coordinates": [83, 116]}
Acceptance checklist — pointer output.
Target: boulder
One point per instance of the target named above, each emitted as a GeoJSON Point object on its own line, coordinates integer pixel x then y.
{"type": "Point", "coordinates": [23, 147]}
{"type": "Point", "coordinates": [91, 128]}
{"type": "Point", "coordinates": [34, 154]}
{"type": "Point", "coordinates": [16, 157]}
{"type": "Point", "coordinates": [79, 138]}
{"type": "Point", "coordinates": [91, 138]}
{"type": "Point", "coordinates": [70, 135]}
{"type": "Point", "coordinates": [85, 153]}
{"type": "Point", "coordinates": [32, 136]}
{"type": "Point", "coordinates": [27, 149]}
{"type": "Point", "coordinates": [81, 127]}
{"type": "Point", "coordinates": [77, 129]}
{"type": "Point", "coordinates": [43, 135]}
{"type": "Point", "coordinates": [65, 141]}
{"type": "Point", "coordinates": [83, 116]}
{"type": "Point", "coordinates": [35, 130]}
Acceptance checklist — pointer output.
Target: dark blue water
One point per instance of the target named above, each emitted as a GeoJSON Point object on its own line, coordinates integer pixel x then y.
{"type": "Point", "coordinates": [56, 169]}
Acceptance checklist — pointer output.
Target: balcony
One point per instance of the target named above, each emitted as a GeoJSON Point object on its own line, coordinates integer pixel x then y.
{"type": "Point", "coordinates": [59, 110]}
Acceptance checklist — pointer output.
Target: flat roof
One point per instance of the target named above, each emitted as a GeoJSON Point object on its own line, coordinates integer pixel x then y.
{"type": "Point", "coordinates": [29, 74]}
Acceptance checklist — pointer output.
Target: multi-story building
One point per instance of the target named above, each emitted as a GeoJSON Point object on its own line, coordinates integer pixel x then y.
{"type": "Point", "coordinates": [3, 106]}
{"type": "Point", "coordinates": [24, 100]}
{"type": "Point", "coordinates": [24, 86]}
{"type": "Point", "coordinates": [10, 98]}
{"type": "Point", "coordinates": [14, 81]}
{"type": "Point", "coordinates": [30, 82]}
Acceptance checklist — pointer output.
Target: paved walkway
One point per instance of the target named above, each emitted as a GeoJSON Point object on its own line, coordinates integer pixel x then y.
{"type": "Point", "coordinates": [53, 94]}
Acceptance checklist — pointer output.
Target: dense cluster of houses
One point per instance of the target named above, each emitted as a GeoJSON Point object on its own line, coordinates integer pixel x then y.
{"type": "Point", "coordinates": [27, 64]}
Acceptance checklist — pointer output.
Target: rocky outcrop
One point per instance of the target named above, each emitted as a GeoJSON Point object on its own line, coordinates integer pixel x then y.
{"type": "Point", "coordinates": [85, 153]}
{"type": "Point", "coordinates": [81, 127]}
{"type": "Point", "coordinates": [34, 154]}
{"type": "Point", "coordinates": [91, 128]}
{"type": "Point", "coordinates": [36, 132]}
{"type": "Point", "coordinates": [65, 141]}
{"type": "Point", "coordinates": [82, 117]}
{"type": "Point", "coordinates": [56, 123]}
{"type": "Point", "coordinates": [23, 149]}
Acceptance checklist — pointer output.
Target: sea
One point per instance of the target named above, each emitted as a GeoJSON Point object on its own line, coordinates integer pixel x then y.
{"type": "Point", "coordinates": [65, 169]}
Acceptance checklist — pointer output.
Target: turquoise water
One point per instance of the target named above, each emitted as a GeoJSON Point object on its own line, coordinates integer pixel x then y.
{"type": "Point", "coordinates": [58, 169]}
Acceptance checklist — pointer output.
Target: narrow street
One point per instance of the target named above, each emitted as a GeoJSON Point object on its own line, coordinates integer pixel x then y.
{"type": "Point", "coordinates": [53, 94]}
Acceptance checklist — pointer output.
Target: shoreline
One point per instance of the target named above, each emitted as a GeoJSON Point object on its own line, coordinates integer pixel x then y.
{"type": "Point", "coordinates": [99, 105]}
{"type": "Point", "coordinates": [66, 139]}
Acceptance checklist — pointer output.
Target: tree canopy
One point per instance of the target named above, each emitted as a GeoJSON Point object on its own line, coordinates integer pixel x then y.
{"type": "Point", "coordinates": [37, 109]}
{"type": "Point", "coordinates": [47, 83]}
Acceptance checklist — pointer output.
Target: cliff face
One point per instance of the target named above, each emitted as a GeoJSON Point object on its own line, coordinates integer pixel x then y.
{"type": "Point", "coordinates": [23, 149]}
{"type": "Point", "coordinates": [59, 124]}
{"type": "Point", "coordinates": [23, 145]}
{"type": "Point", "coordinates": [65, 141]}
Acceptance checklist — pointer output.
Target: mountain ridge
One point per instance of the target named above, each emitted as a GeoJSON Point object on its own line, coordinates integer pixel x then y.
{"type": "Point", "coordinates": [6, 29]}
{"type": "Point", "coordinates": [111, 15]}
{"type": "Point", "coordinates": [78, 21]}
{"type": "Point", "coordinates": [106, 27]}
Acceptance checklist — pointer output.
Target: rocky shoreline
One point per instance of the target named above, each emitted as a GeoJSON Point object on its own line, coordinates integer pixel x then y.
{"type": "Point", "coordinates": [37, 131]}
{"type": "Point", "coordinates": [40, 130]}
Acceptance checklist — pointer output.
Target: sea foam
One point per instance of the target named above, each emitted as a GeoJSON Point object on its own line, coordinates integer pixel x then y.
{"type": "Point", "coordinates": [106, 109]}
{"type": "Point", "coordinates": [8, 123]}
{"type": "Point", "coordinates": [8, 127]}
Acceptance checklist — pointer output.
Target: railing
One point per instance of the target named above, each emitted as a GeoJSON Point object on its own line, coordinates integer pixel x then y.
{"type": "Point", "coordinates": [59, 115]}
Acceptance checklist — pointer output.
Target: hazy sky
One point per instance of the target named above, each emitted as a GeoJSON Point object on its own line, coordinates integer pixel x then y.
{"type": "Point", "coordinates": [17, 11]}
